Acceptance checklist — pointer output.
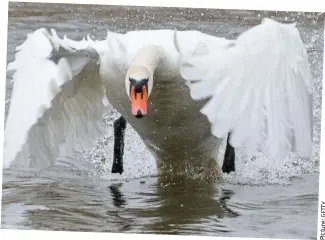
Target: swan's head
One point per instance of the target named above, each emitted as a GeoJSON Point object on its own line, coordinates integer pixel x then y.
{"type": "Point", "coordinates": [138, 85]}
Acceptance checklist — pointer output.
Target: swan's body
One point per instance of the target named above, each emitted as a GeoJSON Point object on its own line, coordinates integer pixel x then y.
{"type": "Point", "coordinates": [173, 129]}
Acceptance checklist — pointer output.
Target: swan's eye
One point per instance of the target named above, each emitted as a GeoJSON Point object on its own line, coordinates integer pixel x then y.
{"type": "Point", "coordinates": [144, 81]}
{"type": "Point", "coordinates": [132, 81]}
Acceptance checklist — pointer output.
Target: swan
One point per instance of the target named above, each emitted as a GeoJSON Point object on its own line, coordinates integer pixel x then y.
{"type": "Point", "coordinates": [182, 91]}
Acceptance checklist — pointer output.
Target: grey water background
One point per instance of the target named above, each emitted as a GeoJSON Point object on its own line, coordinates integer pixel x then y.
{"type": "Point", "coordinates": [261, 199]}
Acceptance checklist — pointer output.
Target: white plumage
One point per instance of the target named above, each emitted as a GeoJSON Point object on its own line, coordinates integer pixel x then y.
{"type": "Point", "coordinates": [260, 82]}
{"type": "Point", "coordinates": [52, 104]}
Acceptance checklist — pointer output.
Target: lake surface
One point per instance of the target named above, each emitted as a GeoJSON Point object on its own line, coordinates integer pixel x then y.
{"type": "Point", "coordinates": [261, 199]}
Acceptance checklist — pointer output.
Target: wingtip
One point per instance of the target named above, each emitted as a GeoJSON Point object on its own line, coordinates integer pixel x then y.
{"type": "Point", "coordinates": [121, 45]}
{"type": "Point", "coordinates": [176, 44]}
{"type": "Point", "coordinates": [11, 66]}
{"type": "Point", "coordinates": [54, 34]}
{"type": "Point", "coordinates": [89, 39]}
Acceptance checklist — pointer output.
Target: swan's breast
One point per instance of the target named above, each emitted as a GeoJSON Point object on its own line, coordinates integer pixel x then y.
{"type": "Point", "coordinates": [174, 119]}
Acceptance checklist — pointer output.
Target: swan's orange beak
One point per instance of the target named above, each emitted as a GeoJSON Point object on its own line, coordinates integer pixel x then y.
{"type": "Point", "coordinates": [139, 101]}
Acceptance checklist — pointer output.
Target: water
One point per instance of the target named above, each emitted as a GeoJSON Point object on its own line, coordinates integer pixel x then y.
{"type": "Point", "coordinates": [262, 199]}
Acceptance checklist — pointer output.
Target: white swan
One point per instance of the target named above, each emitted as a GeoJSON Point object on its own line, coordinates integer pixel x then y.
{"type": "Point", "coordinates": [260, 82]}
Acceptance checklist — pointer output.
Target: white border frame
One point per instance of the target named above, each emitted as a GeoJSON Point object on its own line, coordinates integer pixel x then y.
{"type": "Point", "coordinates": [274, 5]}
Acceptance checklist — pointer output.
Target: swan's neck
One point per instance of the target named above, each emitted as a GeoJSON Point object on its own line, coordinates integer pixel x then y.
{"type": "Point", "coordinates": [148, 56]}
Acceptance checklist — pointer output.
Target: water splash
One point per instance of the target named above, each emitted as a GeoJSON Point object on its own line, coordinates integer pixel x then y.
{"type": "Point", "coordinates": [138, 161]}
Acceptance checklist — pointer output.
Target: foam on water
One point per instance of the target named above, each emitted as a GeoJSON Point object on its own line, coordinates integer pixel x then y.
{"type": "Point", "coordinates": [138, 161]}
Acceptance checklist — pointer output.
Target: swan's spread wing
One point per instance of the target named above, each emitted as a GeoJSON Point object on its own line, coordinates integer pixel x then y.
{"type": "Point", "coordinates": [261, 83]}
{"type": "Point", "coordinates": [56, 99]}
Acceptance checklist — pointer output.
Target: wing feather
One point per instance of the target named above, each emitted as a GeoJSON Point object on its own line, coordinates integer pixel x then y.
{"type": "Point", "coordinates": [56, 104]}
{"type": "Point", "coordinates": [258, 86]}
